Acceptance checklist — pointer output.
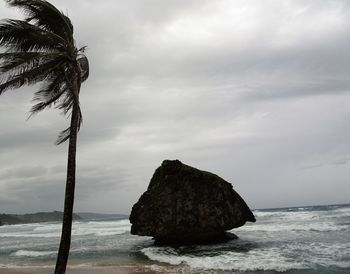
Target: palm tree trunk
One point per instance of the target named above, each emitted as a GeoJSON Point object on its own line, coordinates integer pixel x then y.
{"type": "Point", "coordinates": [63, 252]}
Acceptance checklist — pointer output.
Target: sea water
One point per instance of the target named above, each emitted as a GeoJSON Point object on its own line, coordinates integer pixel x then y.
{"type": "Point", "coordinates": [291, 240]}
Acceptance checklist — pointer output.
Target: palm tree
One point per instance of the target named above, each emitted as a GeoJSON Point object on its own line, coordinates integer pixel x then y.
{"type": "Point", "coordinates": [41, 49]}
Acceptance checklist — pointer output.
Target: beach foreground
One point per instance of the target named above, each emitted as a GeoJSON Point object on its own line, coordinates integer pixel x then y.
{"type": "Point", "coordinates": [82, 270]}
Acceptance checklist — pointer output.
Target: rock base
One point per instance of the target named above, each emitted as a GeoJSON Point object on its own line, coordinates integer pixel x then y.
{"type": "Point", "coordinates": [207, 239]}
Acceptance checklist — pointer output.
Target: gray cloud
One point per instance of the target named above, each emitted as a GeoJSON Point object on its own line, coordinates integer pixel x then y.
{"type": "Point", "coordinates": [255, 92]}
{"type": "Point", "coordinates": [341, 162]}
{"type": "Point", "coordinates": [24, 172]}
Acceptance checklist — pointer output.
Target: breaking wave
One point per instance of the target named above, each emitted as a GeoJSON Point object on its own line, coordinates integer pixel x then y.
{"type": "Point", "coordinates": [32, 253]}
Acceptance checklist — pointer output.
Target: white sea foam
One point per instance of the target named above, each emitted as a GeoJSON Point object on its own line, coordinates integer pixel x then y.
{"type": "Point", "coordinates": [247, 261]}
{"type": "Point", "coordinates": [52, 230]}
{"type": "Point", "coordinates": [304, 213]}
{"type": "Point", "coordinates": [294, 226]}
{"type": "Point", "coordinates": [29, 235]}
{"type": "Point", "coordinates": [47, 227]}
{"type": "Point", "coordinates": [101, 228]}
{"type": "Point", "coordinates": [292, 215]}
{"type": "Point", "coordinates": [32, 253]}
{"type": "Point", "coordinates": [279, 258]}
{"type": "Point", "coordinates": [341, 212]}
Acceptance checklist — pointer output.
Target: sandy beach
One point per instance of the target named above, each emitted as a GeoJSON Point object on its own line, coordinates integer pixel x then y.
{"type": "Point", "coordinates": [94, 270]}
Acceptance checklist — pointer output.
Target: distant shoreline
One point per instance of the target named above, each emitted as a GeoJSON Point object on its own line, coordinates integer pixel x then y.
{"type": "Point", "coordinates": [55, 216]}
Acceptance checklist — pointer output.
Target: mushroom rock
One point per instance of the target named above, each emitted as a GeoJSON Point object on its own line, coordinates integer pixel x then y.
{"type": "Point", "coordinates": [185, 205]}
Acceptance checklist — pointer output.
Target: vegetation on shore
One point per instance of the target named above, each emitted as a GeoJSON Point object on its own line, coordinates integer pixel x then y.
{"type": "Point", "coordinates": [13, 219]}
{"type": "Point", "coordinates": [55, 216]}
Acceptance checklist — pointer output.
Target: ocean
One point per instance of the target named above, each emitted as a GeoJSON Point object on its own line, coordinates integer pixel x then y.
{"type": "Point", "coordinates": [298, 240]}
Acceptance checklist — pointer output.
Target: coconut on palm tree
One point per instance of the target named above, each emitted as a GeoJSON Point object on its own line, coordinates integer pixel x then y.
{"type": "Point", "coordinates": [41, 49]}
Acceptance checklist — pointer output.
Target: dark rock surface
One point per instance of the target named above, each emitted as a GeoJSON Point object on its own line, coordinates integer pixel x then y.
{"type": "Point", "coordinates": [186, 205]}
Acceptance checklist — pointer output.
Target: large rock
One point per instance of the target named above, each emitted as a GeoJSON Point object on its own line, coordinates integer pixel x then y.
{"type": "Point", "coordinates": [186, 205]}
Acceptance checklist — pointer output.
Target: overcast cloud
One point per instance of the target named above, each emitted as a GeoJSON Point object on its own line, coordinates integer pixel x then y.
{"type": "Point", "coordinates": [254, 91]}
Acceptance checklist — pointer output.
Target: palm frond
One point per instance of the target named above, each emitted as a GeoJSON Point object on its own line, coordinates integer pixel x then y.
{"type": "Point", "coordinates": [17, 55]}
{"type": "Point", "coordinates": [47, 104]}
{"type": "Point", "coordinates": [49, 94]}
{"type": "Point", "coordinates": [67, 102]}
{"type": "Point", "coordinates": [73, 82]}
{"type": "Point", "coordinates": [45, 15]}
{"type": "Point", "coordinates": [32, 76]}
{"type": "Point", "coordinates": [9, 61]}
{"type": "Point", "coordinates": [53, 84]}
{"type": "Point", "coordinates": [65, 134]}
{"type": "Point", "coordinates": [22, 61]}
{"type": "Point", "coordinates": [19, 35]}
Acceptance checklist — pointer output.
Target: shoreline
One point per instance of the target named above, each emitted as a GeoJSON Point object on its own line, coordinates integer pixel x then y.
{"type": "Point", "coordinates": [85, 270]}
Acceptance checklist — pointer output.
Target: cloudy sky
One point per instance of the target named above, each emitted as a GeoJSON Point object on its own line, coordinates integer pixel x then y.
{"type": "Point", "coordinates": [254, 91]}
